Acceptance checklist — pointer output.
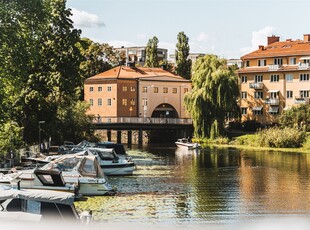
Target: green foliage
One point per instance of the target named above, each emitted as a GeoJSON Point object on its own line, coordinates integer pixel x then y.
{"type": "Point", "coordinates": [297, 116]}
{"type": "Point", "coordinates": [214, 94]}
{"type": "Point", "coordinates": [183, 64]}
{"type": "Point", "coordinates": [247, 140]}
{"type": "Point", "coordinates": [281, 138]}
{"type": "Point", "coordinates": [10, 137]}
{"type": "Point", "coordinates": [151, 53]}
{"type": "Point", "coordinates": [306, 144]}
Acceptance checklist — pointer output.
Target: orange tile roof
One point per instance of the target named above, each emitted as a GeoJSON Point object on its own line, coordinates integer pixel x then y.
{"type": "Point", "coordinates": [266, 69]}
{"type": "Point", "coordinates": [125, 72]}
{"type": "Point", "coordinates": [284, 48]}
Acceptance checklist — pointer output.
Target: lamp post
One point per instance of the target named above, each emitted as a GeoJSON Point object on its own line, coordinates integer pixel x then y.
{"type": "Point", "coordinates": [40, 122]}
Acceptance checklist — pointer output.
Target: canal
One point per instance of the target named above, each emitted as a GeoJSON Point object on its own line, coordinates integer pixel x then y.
{"type": "Point", "coordinates": [214, 186]}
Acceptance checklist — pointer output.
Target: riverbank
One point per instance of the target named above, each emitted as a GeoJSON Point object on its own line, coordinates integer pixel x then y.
{"type": "Point", "coordinates": [251, 142]}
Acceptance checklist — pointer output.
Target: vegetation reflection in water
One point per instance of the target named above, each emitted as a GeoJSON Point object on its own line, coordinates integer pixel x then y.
{"type": "Point", "coordinates": [209, 186]}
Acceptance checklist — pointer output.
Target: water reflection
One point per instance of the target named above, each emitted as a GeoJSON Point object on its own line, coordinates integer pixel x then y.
{"type": "Point", "coordinates": [211, 185]}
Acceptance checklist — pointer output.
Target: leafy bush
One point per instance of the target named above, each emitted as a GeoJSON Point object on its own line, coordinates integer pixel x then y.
{"type": "Point", "coordinates": [248, 140]}
{"type": "Point", "coordinates": [298, 116]}
{"type": "Point", "coordinates": [282, 138]}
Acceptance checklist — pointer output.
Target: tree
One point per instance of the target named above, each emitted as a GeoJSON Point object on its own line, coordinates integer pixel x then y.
{"type": "Point", "coordinates": [214, 94]}
{"type": "Point", "coordinates": [151, 53]}
{"type": "Point", "coordinates": [183, 64]}
{"type": "Point", "coordinates": [296, 117]}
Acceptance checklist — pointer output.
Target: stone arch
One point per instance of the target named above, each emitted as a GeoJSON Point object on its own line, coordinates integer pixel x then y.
{"type": "Point", "coordinates": [165, 110]}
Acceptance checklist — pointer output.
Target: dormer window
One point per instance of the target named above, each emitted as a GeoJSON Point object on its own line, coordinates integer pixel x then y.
{"type": "Point", "coordinates": [247, 64]}
{"type": "Point", "coordinates": [292, 61]}
{"type": "Point", "coordinates": [278, 61]}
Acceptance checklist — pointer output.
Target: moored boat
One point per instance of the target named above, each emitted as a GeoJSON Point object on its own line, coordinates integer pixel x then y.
{"type": "Point", "coordinates": [186, 143]}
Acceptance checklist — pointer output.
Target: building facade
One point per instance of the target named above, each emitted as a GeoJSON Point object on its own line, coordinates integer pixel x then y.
{"type": "Point", "coordinates": [126, 91]}
{"type": "Point", "coordinates": [274, 78]}
{"type": "Point", "coordinates": [137, 54]}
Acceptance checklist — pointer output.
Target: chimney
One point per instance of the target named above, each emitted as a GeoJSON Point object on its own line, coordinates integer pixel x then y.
{"type": "Point", "coordinates": [260, 47]}
{"type": "Point", "coordinates": [306, 37]}
{"type": "Point", "coordinates": [288, 40]}
{"type": "Point", "coordinates": [272, 39]}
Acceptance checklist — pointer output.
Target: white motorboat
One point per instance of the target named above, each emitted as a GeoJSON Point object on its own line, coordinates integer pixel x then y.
{"type": "Point", "coordinates": [111, 164]}
{"type": "Point", "coordinates": [37, 206]}
{"type": "Point", "coordinates": [77, 170]}
{"type": "Point", "coordinates": [186, 143]}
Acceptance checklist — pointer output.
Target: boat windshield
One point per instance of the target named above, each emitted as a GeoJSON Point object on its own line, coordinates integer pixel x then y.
{"type": "Point", "coordinates": [62, 164]}
{"type": "Point", "coordinates": [90, 167]}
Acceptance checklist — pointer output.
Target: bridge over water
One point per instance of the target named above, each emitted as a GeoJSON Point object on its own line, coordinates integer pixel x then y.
{"type": "Point", "coordinates": [158, 128]}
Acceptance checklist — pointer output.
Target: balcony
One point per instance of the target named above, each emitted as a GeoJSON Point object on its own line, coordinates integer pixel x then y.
{"type": "Point", "coordinates": [274, 67]}
{"type": "Point", "coordinates": [302, 100]}
{"type": "Point", "coordinates": [257, 85]}
{"type": "Point", "coordinates": [303, 66]}
{"type": "Point", "coordinates": [272, 101]}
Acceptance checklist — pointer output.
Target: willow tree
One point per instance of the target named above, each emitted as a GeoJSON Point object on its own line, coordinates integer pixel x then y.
{"type": "Point", "coordinates": [214, 95]}
{"type": "Point", "coordinates": [183, 64]}
{"type": "Point", "coordinates": [151, 53]}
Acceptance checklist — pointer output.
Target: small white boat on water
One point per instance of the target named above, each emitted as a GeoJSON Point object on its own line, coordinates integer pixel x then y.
{"type": "Point", "coordinates": [186, 143]}
{"type": "Point", "coordinates": [72, 171]}
{"type": "Point", "coordinates": [38, 206]}
{"type": "Point", "coordinates": [111, 164]}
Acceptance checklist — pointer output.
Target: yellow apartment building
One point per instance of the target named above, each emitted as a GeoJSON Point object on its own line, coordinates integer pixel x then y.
{"type": "Point", "coordinates": [274, 78]}
{"type": "Point", "coordinates": [128, 91]}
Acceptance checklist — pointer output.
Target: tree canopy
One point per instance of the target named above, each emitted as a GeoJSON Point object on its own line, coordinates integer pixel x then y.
{"type": "Point", "coordinates": [214, 95]}
{"type": "Point", "coordinates": [151, 53]}
{"type": "Point", "coordinates": [296, 117]}
{"type": "Point", "coordinates": [183, 64]}
{"type": "Point", "coordinates": [39, 67]}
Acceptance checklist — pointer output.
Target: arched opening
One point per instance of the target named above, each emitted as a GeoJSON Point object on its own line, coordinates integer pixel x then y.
{"type": "Point", "coordinates": [165, 111]}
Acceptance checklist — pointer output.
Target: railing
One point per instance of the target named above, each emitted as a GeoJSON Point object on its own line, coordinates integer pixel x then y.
{"type": "Point", "coordinates": [303, 65]}
{"type": "Point", "coordinates": [137, 120]}
{"type": "Point", "coordinates": [274, 67]}
{"type": "Point", "coordinates": [257, 85]}
{"type": "Point", "coordinates": [301, 100]}
{"type": "Point", "coordinates": [272, 101]}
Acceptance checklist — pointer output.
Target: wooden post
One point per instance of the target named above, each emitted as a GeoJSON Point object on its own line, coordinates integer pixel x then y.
{"type": "Point", "coordinates": [109, 134]}
{"type": "Point", "coordinates": [119, 136]}
{"type": "Point", "coordinates": [140, 139]}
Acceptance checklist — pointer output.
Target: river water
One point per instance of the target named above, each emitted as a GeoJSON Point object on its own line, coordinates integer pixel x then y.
{"type": "Point", "coordinates": [213, 186]}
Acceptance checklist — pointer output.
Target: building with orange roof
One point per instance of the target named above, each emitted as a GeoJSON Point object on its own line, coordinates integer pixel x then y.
{"type": "Point", "coordinates": [274, 78]}
{"type": "Point", "coordinates": [128, 91]}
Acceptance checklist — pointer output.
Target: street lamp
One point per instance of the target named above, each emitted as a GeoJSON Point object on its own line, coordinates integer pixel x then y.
{"type": "Point", "coordinates": [40, 122]}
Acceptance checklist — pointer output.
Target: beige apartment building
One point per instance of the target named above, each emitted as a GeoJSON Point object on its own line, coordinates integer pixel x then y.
{"type": "Point", "coordinates": [127, 91]}
{"type": "Point", "coordinates": [274, 78]}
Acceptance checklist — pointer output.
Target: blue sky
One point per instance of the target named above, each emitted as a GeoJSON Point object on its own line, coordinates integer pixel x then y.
{"type": "Point", "coordinates": [227, 28]}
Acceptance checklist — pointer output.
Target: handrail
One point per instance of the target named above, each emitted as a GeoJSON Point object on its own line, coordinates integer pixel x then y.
{"type": "Point", "coordinates": [147, 120]}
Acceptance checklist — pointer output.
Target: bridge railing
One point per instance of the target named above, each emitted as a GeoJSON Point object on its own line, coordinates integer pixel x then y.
{"type": "Point", "coordinates": [136, 120]}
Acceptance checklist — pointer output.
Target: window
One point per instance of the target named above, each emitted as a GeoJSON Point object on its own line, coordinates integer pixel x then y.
{"type": "Point", "coordinates": [292, 61]}
{"type": "Point", "coordinates": [244, 111]}
{"type": "Point", "coordinates": [244, 79]}
{"type": "Point", "coordinates": [278, 61]}
{"type": "Point", "coordinates": [274, 95]}
{"type": "Point", "coordinates": [185, 90]}
{"type": "Point", "coordinates": [289, 77]}
{"type": "Point", "coordinates": [91, 102]}
{"type": "Point", "coordinates": [109, 101]}
{"type": "Point", "coordinates": [258, 94]}
{"type": "Point", "coordinates": [304, 93]}
{"type": "Point", "coordinates": [174, 90]}
{"type": "Point", "coordinates": [289, 94]}
{"type": "Point", "coordinates": [124, 88]}
{"type": "Point", "coordinates": [247, 64]}
{"type": "Point", "coordinates": [99, 102]}
{"type": "Point", "coordinates": [144, 102]}
{"type": "Point", "coordinates": [109, 88]}
{"type": "Point", "coordinates": [91, 89]}
{"type": "Point", "coordinates": [274, 78]}
{"type": "Point", "coordinates": [262, 62]}
{"type": "Point", "coordinates": [304, 77]}
{"type": "Point", "coordinates": [155, 90]}
{"type": "Point", "coordinates": [124, 102]}
{"type": "Point", "coordinates": [99, 89]}
{"type": "Point", "coordinates": [132, 102]}
{"type": "Point", "coordinates": [258, 112]}
{"type": "Point", "coordinates": [165, 90]}
{"type": "Point", "coordinates": [144, 89]}
{"type": "Point", "coordinates": [244, 95]}
{"type": "Point", "coordinates": [273, 110]}
{"type": "Point", "coordinates": [132, 88]}
{"type": "Point", "coordinates": [258, 78]}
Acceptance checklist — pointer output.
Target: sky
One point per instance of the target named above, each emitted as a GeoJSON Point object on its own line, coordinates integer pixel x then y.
{"type": "Point", "coordinates": [227, 28]}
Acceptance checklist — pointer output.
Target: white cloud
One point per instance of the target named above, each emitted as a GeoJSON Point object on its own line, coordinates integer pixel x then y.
{"type": "Point", "coordinates": [202, 37]}
{"type": "Point", "coordinates": [258, 38]}
{"type": "Point", "coordinates": [141, 36]}
{"type": "Point", "coordinates": [84, 19]}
